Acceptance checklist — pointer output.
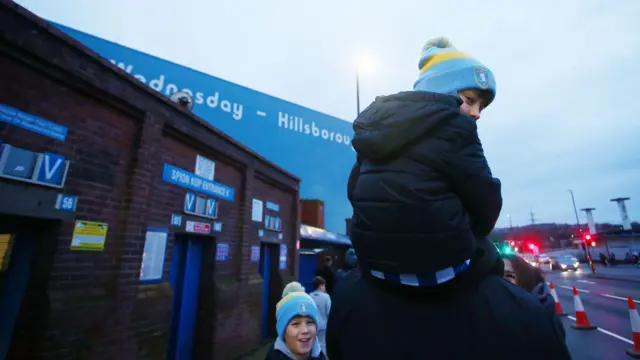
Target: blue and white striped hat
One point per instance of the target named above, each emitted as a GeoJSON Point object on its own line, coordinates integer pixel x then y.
{"type": "Point", "coordinates": [446, 70]}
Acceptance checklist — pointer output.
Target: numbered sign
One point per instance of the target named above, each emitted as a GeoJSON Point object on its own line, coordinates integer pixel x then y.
{"type": "Point", "coordinates": [66, 202]}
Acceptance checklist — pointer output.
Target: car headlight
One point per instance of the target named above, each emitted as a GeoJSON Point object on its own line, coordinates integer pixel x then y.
{"type": "Point", "coordinates": [563, 266]}
{"type": "Point", "coordinates": [576, 264]}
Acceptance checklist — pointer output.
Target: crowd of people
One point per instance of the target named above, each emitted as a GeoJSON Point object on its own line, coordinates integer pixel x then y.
{"type": "Point", "coordinates": [423, 280]}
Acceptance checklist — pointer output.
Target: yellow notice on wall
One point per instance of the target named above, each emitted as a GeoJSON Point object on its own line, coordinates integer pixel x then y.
{"type": "Point", "coordinates": [89, 236]}
{"type": "Point", "coordinates": [6, 243]}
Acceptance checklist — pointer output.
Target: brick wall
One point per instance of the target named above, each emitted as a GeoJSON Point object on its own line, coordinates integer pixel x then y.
{"type": "Point", "coordinates": [90, 305]}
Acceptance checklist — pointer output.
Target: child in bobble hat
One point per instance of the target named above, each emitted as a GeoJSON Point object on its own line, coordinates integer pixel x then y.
{"type": "Point", "coordinates": [296, 325]}
{"type": "Point", "coordinates": [429, 284]}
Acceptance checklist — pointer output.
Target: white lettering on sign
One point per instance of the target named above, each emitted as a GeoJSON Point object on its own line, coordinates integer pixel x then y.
{"type": "Point", "coordinates": [180, 177]}
{"type": "Point", "coordinates": [212, 100]}
{"type": "Point", "coordinates": [189, 201]}
{"type": "Point", "coordinates": [235, 110]}
{"type": "Point", "coordinates": [215, 189]}
{"type": "Point", "coordinates": [198, 227]}
{"type": "Point", "coordinates": [48, 170]}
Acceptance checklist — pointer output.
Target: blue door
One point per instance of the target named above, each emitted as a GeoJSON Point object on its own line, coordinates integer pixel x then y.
{"type": "Point", "coordinates": [14, 283]}
{"type": "Point", "coordinates": [185, 274]}
{"type": "Point", "coordinates": [307, 270]}
{"type": "Point", "coordinates": [265, 271]}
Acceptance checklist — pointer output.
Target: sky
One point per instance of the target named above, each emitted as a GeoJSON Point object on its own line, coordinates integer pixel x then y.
{"type": "Point", "coordinates": [566, 74]}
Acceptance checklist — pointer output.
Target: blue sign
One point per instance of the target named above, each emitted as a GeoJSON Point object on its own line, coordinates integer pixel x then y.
{"type": "Point", "coordinates": [32, 123]}
{"type": "Point", "coordinates": [176, 220]}
{"type": "Point", "coordinates": [283, 256]}
{"type": "Point", "coordinates": [191, 181]}
{"type": "Point", "coordinates": [18, 163]}
{"type": "Point", "coordinates": [66, 202]}
{"type": "Point", "coordinates": [190, 203]}
{"type": "Point", "coordinates": [272, 206]}
{"type": "Point", "coordinates": [217, 226]}
{"type": "Point", "coordinates": [222, 252]}
{"type": "Point", "coordinates": [51, 169]}
{"type": "Point", "coordinates": [313, 146]}
{"type": "Point", "coordinates": [211, 208]}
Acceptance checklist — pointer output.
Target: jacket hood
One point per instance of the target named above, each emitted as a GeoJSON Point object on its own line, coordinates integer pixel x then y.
{"type": "Point", "coordinates": [394, 121]}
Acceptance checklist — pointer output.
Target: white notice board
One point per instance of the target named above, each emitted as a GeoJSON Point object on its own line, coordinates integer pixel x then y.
{"type": "Point", "coordinates": [256, 210]}
{"type": "Point", "coordinates": [205, 167]}
{"type": "Point", "coordinates": [155, 248]}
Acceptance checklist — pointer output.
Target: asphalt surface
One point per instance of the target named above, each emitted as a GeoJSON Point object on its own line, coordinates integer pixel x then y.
{"type": "Point", "coordinates": [605, 302]}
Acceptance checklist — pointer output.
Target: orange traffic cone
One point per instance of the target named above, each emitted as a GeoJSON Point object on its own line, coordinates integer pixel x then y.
{"type": "Point", "coordinates": [559, 310]}
{"type": "Point", "coordinates": [582, 321]}
{"type": "Point", "coordinates": [635, 329]}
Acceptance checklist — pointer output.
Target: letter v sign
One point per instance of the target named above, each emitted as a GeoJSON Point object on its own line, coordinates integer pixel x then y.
{"type": "Point", "coordinates": [190, 202]}
{"type": "Point", "coordinates": [51, 169]}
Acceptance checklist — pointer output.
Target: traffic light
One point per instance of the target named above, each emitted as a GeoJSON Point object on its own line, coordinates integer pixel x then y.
{"type": "Point", "coordinates": [506, 249]}
{"type": "Point", "coordinates": [588, 239]}
{"type": "Point", "coordinates": [513, 243]}
{"type": "Point", "coordinates": [531, 246]}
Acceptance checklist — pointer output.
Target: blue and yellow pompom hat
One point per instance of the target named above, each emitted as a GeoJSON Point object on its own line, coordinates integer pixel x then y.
{"type": "Point", "coordinates": [446, 70]}
{"type": "Point", "coordinates": [294, 304]}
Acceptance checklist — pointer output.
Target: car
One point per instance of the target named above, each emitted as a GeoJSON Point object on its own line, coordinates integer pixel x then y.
{"type": "Point", "coordinates": [564, 263]}
{"type": "Point", "coordinates": [544, 259]}
{"type": "Point", "coordinates": [531, 259]}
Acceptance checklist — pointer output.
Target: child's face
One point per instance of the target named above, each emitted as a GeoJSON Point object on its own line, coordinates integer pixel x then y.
{"type": "Point", "coordinates": [300, 335]}
{"type": "Point", "coordinates": [472, 103]}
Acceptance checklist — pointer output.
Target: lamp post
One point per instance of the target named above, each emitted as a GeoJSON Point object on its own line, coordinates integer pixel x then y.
{"type": "Point", "coordinates": [358, 90]}
{"type": "Point", "coordinates": [575, 209]}
{"type": "Point", "coordinates": [363, 64]}
{"type": "Point", "coordinates": [587, 252]}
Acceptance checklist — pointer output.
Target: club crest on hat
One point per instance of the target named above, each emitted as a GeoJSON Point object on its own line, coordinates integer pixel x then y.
{"type": "Point", "coordinates": [482, 77]}
{"type": "Point", "coordinates": [302, 308]}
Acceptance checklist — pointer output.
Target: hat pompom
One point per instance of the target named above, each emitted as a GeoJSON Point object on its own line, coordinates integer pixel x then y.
{"type": "Point", "coordinates": [439, 42]}
{"type": "Point", "coordinates": [291, 287]}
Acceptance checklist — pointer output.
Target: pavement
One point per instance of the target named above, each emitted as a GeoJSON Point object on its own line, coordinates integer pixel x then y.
{"type": "Point", "coordinates": [258, 354]}
{"type": "Point", "coordinates": [619, 272]}
{"type": "Point", "coordinates": [605, 302]}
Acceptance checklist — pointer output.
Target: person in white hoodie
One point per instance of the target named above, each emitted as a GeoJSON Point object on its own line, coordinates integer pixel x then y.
{"type": "Point", "coordinates": [323, 303]}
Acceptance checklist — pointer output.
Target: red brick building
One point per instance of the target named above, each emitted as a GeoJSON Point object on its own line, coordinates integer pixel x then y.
{"type": "Point", "coordinates": [97, 169]}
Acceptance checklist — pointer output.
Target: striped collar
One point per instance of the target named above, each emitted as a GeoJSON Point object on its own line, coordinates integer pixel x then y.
{"type": "Point", "coordinates": [430, 279]}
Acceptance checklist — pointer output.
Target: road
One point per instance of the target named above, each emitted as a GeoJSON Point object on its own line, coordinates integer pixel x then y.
{"type": "Point", "coordinates": [605, 302]}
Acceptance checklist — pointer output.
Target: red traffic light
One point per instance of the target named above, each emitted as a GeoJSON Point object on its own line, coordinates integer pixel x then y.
{"type": "Point", "coordinates": [531, 246]}
{"type": "Point", "coordinates": [588, 237]}
{"type": "Point", "coordinates": [513, 243]}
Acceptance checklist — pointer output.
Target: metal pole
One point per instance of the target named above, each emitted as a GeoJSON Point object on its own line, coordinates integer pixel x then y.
{"type": "Point", "coordinates": [587, 252]}
{"type": "Point", "coordinates": [575, 209]}
{"type": "Point", "coordinates": [358, 90]}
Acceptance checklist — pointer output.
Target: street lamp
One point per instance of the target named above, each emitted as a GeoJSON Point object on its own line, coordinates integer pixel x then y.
{"type": "Point", "coordinates": [362, 64]}
{"type": "Point", "coordinates": [575, 210]}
